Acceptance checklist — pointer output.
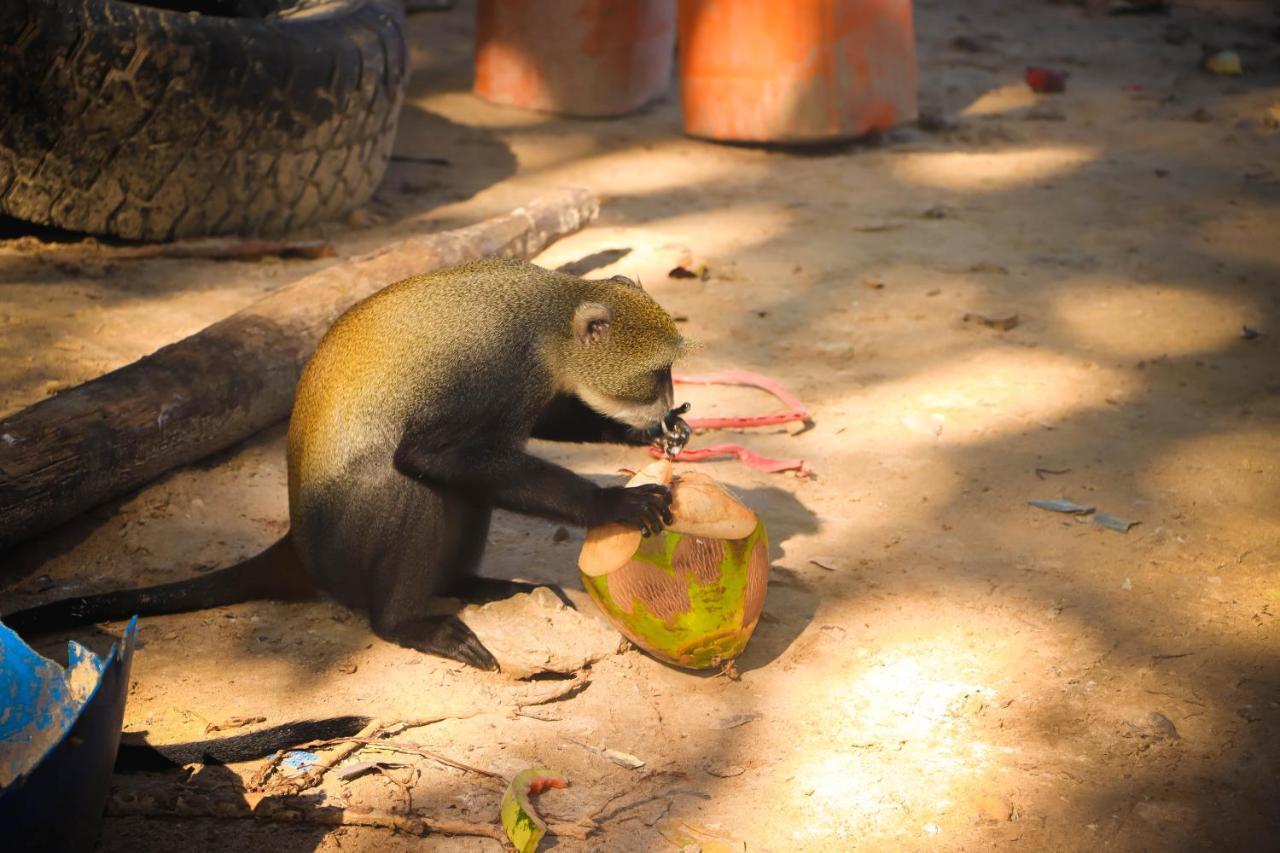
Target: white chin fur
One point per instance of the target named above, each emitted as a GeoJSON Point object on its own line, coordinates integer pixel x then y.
{"type": "Point", "coordinates": [632, 414]}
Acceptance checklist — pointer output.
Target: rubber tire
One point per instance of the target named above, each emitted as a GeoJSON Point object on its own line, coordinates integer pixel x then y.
{"type": "Point", "coordinates": [148, 124]}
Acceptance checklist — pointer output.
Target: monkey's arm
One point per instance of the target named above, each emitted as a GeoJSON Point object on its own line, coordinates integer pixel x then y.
{"type": "Point", "coordinates": [515, 480]}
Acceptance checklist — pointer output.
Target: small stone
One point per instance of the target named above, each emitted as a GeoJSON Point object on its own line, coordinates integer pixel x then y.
{"type": "Point", "coordinates": [561, 534]}
{"type": "Point", "coordinates": [1154, 726]}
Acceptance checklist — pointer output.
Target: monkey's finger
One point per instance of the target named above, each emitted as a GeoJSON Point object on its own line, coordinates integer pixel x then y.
{"type": "Point", "coordinates": [653, 491]}
{"type": "Point", "coordinates": [660, 517]}
{"type": "Point", "coordinates": [649, 519]}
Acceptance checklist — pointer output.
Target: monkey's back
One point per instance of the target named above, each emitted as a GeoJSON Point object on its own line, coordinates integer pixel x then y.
{"type": "Point", "coordinates": [423, 345]}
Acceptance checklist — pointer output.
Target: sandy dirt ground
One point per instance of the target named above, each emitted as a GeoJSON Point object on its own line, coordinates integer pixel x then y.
{"type": "Point", "coordinates": [941, 666]}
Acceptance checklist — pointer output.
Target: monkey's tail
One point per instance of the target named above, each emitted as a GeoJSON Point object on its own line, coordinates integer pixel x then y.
{"type": "Point", "coordinates": [275, 573]}
{"type": "Point", "coordinates": [136, 754]}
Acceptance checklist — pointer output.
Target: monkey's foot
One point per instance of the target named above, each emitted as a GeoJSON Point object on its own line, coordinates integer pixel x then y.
{"type": "Point", "coordinates": [446, 636]}
{"type": "Point", "coordinates": [481, 590]}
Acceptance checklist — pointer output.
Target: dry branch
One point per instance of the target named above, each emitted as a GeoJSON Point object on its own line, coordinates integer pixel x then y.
{"type": "Point", "coordinates": [298, 811]}
{"type": "Point", "coordinates": [107, 437]}
{"type": "Point", "coordinates": [312, 777]}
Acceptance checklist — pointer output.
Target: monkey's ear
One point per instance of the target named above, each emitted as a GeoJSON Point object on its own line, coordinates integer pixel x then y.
{"type": "Point", "coordinates": [623, 280]}
{"type": "Point", "coordinates": [591, 322]}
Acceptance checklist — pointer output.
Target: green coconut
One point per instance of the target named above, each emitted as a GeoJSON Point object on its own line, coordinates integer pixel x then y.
{"type": "Point", "coordinates": [687, 600]}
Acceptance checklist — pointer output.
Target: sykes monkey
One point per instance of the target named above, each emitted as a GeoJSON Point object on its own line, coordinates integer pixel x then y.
{"type": "Point", "coordinates": [410, 426]}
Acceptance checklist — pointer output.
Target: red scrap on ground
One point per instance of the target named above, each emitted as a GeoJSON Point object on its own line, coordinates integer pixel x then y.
{"type": "Point", "coordinates": [795, 411]}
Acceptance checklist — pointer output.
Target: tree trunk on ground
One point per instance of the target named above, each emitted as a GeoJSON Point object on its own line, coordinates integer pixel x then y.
{"type": "Point", "coordinates": [107, 437]}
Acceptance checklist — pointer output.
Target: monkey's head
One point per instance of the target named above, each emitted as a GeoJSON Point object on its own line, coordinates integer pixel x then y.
{"type": "Point", "coordinates": [619, 358]}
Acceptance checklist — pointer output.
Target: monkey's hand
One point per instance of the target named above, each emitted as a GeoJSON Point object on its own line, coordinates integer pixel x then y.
{"type": "Point", "coordinates": [670, 433]}
{"type": "Point", "coordinates": [647, 507]}
{"type": "Point", "coordinates": [675, 432]}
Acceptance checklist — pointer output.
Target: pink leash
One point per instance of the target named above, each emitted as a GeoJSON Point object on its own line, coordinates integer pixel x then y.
{"type": "Point", "coordinates": [795, 412]}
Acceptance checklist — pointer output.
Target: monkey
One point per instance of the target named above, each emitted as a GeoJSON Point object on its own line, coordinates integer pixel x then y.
{"type": "Point", "coordinates": [410, 426]}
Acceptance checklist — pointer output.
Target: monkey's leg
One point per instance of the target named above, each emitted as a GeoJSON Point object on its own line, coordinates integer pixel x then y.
{"type": "Point", "coordinates": [443, 635]}
{"type": "Point", "coordinates": [379, 541]}
{"type": "Point", "coordinates": [449, 554]}
{"type": "Point", "coordinates": [466, 584]}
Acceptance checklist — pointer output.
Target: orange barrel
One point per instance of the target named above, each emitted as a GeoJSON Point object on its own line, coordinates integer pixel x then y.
{"type": "Point", "coordinates": [795, 71]}
{"type": "Point", "coordinates": [576, 57]}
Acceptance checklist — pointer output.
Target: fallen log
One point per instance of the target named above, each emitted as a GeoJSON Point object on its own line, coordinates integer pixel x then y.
{"type": "Point", "coordinates": [107, 437]}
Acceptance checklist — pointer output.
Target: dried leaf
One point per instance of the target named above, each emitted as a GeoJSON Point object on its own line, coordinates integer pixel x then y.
{"type": "Point", "coordinates": [1062, 505]}
{"type": "Point", "coordinates": [1225, 63]}
{"type": "Point", "coordinates": [699, 272]}
{"type": "Point", "coordinates": [623, 759]}
{"type": "Point", "coordinates": [736, 720]}
{"type": "Point", "coordinates": [1002, 324]}
{"type": "Point", "coordinates": [519, 819]}
{"type": "Point", "coordinates": [706, 839]}
{"type": "Point", "coordinates": [233, 723]}
{"type": "Point", "coordinates": [1112, 522]}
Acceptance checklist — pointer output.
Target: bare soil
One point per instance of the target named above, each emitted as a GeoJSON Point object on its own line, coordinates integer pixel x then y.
{"type": "Point", "coordinates": [941, 666]}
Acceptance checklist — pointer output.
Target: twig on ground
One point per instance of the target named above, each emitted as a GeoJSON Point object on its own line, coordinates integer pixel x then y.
{"type": "Point", "coordinates": [184, 802]}
{"type": "Point", "coordinates": [405, 786]}
{"type": "Point", "coordinates": [374, 735]}
{"type": "Point", "coordinates": [399, 746]}
{"type": "Point", "coordinates": [312, 777]}
{"type": "Point", "coordinates": [561, 691]}
{"type": "Point", "coordinates": [297, 812]}
{"type": "Point", "coordinates": [399, 726]}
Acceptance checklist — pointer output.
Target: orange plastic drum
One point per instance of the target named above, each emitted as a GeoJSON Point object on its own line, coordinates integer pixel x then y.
{"type": "Point", "coordinates": [796, 71]}
{"type": "Point", "coordinates": [574, 57]}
